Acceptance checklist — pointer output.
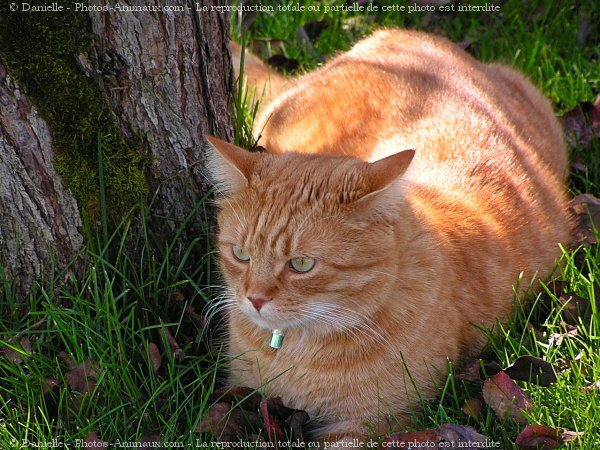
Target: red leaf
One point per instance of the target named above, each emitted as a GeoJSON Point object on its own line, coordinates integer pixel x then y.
{"type": "Point", "coordinates": [270, 421]}
{"type": "Point", "coordinates": [538, 437]}
{"type": "Point", "coordinates": [155, 356]}
{"type": "Point", "coordinates": [505, 398]}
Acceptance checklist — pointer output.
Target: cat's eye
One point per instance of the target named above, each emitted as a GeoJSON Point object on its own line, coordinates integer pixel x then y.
{"type": "Point", "coordinates": [240, 253]}
{"type": "Point", "coordinates": [302, 264]}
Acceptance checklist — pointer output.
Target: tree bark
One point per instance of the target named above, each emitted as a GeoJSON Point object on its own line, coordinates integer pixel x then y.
{"type": "Point", "coordinates": [167, 77]}
{"type": "Point", "coordinates": [39, 220]}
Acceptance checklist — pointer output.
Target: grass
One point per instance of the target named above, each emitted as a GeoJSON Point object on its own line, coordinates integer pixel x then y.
{"type": "Point", "coordinates": [83, 357]}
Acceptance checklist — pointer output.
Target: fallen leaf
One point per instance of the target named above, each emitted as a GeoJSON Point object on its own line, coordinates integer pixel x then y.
{"type": "Point", "coordinates": [170, 344]}
{"type": "Point", "coordinates": [235, 413]}
{"type": "Point", "coordinates": [82, 378]}
{"type": "Point", "coordinates": [582, 124]}
{"type": "Point", "coordinates": [211, 421]}
{"type": "Point", "coordinates": [505, 398]}
{"type": "Point", "coordinates": [295, 423]}
{"type": "Point", "coordinates": [586, 211]}
{"type": "Point", "coordinates": [228, 424]}
{"type": "Point", "coordinates": [474, 408]}
{"type": "Point", "coordinates": [155, 356]}
{"type": "Point", "coordinates": [470, 372]}
{"type": "Point", "coordinates": [271, 424]}
{"type": "Point", "coordinates": [245, 397]}
{"type": "Point", "coordinates": [17, 352]}
{"type": "Point", "coordinates": [533, 370]}
{"type": "Point", "coordinates": [538, 437]}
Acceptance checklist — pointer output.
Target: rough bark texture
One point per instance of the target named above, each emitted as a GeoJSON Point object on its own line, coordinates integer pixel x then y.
{"type": "Point", "coordinates": [167, 77]}
{"type": "Point", "coordinates": [38, 218]}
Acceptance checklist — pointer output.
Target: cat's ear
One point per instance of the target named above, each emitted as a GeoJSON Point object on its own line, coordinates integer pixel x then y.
{"type": "Point", "coordinates": [229, 167]}
{"type": "Point", "coordinates": [382, 174]}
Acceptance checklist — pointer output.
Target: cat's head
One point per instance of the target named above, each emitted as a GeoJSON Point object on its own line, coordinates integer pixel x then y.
{"type": "Point", "coordinates": [306, 240]}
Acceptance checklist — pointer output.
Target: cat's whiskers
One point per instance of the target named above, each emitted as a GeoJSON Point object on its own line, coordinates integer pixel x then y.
{"type": "Point", "coordinates": [224, 301]}
{"type": "Point", "coordinates": [343, 319]}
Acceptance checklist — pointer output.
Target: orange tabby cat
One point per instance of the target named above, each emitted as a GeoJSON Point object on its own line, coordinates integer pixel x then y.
{"type": "Point", "coordinates": [405, 188]}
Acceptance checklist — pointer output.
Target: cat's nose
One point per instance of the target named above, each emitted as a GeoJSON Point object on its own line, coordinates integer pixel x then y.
{"type": "Point", "coordinates": [258, 302]}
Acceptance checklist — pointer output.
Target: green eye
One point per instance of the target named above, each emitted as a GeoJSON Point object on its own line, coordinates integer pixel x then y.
{"type": "Point", "coordinates": [302, 264]}
{"type": "Point", "coordinates": [240, 253]}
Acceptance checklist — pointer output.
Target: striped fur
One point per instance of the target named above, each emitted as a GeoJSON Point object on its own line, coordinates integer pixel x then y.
{"type": "Point", "coordinates": [411, 256]}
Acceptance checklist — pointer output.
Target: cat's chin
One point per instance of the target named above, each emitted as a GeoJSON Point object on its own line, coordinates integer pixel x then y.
{"type": "Point", "coordinates": [269, 324]}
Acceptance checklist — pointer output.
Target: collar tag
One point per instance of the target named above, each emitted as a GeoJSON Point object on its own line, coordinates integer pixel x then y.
{"type": "Point", "coordinates": [277, 339]}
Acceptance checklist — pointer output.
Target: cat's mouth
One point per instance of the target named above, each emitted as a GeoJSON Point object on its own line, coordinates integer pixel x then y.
{"type": "Point", "coordinates": [267, 319]}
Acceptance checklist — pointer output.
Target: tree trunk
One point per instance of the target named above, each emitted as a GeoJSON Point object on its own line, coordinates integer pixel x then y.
{"type": "Point", "coordinates": [167, 77]}
{"type": "Point", "coordinates": [38, 218]}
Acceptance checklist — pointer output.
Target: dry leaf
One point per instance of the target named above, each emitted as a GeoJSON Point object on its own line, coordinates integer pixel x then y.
{"type": "Point", "coordinates": [245, 397]}
{"type": "Point", "coordinates": [586, 210]}
{"type": "Point", "coordinates": [505, 398]}
{"type": "Point", "coordinates": [582, 124]}
{"type": "Point", "coordinates": [533, 370]}
{"type": "Point", "coordinates": [474, 408]}
{"type": "Point", "coordinates": [155, 356]}
{"type": "Point", "coordinates": [82, 378]}
{"type": "Point", "coordinates": [538, 437]}
{"type": "Point", "coordinates": [17, 352]}
{"type": "Point", "coordinates": [470, 372]}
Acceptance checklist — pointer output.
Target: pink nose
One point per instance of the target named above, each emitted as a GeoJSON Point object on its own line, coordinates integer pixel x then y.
{"type": "Point", "coordinates": [258, 302]}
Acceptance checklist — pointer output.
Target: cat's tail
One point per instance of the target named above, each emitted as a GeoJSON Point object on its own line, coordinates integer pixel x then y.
{"type": "Point", "coordinates": [264, 81]}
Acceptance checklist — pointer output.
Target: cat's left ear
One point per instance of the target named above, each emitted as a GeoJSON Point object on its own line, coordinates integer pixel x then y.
{"type": "Point", "coordinates": [382, 174]}
{"type": "Point", "coordinates": [229, 167]}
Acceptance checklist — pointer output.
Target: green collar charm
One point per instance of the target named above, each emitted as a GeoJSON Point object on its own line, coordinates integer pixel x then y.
{"type": "Point", "coordinates": [277, 339]}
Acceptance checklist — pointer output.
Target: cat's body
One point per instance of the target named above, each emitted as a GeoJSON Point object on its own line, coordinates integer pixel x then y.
{"type": "Point", "coordinates": [410, 257]}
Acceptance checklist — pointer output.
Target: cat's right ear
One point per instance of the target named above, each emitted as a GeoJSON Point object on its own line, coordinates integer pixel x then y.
{"type": "Point", "coordinates": [229, 167]}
